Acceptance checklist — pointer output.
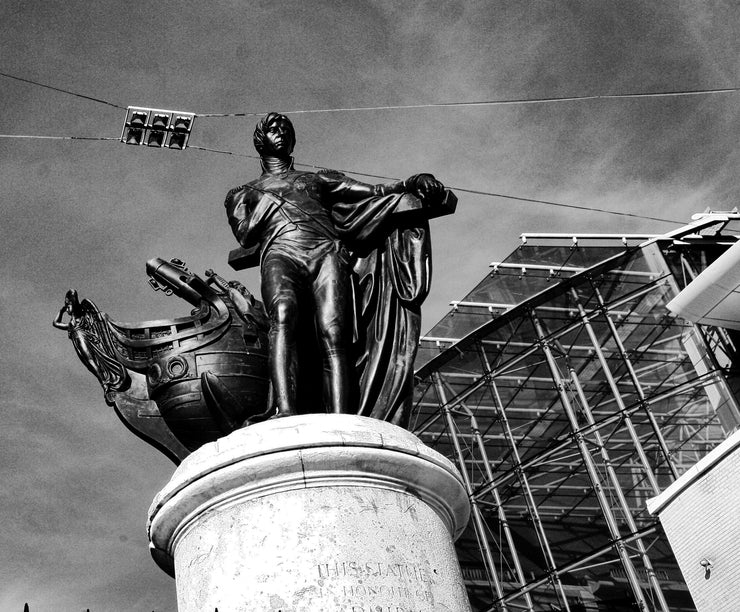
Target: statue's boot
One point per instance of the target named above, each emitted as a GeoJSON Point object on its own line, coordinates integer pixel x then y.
{"type": "Point", "coordinates": [284, 373]}
{"type": "Point", "coordinates": [336, 381]}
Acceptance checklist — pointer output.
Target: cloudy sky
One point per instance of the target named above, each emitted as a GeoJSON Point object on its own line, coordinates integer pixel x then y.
{"type": "Point", "coordinates": [75, 485]}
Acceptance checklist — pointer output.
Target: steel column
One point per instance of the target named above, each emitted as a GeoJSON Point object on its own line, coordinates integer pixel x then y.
{"type": "Point", "coordinates": [615, 392]}
{"type": "Point", "coordinates": [478, 522]}
{"type": "Point", "coordinates": [591, 470]}
{"type": "Point", "coordinates": [636, 382]}
{"type": "Point", "coordinates": [553, 576]}
{"type": "Point", "coordinates": [497, 499]}
{"type": "Point", "coordinates": [617, 488]}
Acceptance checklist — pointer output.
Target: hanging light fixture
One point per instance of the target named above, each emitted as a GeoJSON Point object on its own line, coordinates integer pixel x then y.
{"type": "Point", "coordinates": [154, 127]}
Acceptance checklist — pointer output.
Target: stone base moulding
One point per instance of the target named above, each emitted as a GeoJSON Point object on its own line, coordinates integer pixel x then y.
{"type": "Point", "coordinates": [313, 513]}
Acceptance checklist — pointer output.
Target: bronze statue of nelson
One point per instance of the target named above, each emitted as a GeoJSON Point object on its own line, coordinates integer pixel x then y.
{"type": "Point", "coordinates": [312, 230]}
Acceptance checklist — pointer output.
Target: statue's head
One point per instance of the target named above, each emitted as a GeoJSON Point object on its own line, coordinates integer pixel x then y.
{"type": "Point", "coordinates": [72, 301]}
{"type": "Point", "coordinates": [274, 136]}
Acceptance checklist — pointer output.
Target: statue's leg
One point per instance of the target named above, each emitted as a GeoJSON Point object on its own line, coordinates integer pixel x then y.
{"type": "Point", "coordinates": [331, 289]}
{"type": "Point", "coordinates": [280, 287]}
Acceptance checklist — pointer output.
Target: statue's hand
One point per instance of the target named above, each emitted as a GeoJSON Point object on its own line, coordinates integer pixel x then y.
{"type": "Point", "coordinates": [427, 188]}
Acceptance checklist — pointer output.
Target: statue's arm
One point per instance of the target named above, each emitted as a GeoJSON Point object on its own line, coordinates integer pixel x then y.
{"type": "Point", "coordinates": [239, 207]}
{"type": "Point", "coordinates": [58, 321]}
{"type": "Point", "coordinates": [340, 188]}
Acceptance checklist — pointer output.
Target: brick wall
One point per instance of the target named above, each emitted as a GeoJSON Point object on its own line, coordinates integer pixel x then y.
{"type": "Point", "coordinates": [700, 513]}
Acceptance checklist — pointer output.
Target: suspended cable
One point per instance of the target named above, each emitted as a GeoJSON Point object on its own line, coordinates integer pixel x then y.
{"type": "Point", "coordinates": [513, 197]}
{"type": "Point", "coordinates": [67, 91]}
{"type": "Point", "coordinates": [57, 137]}
{"type": "Point", "coordinates": [381, 177]}
{"type": "Point", "coordinates": [474, 191]}
{"type": "Point", "coordinates": [499, 102]}
{"type": "Point", "coordinates": [563, 205]}
{"type": "Point", "coordinates": [223, 152]}
{"type": "Point", "coordinates": [495, 102]}
{"type": "Point", "coordinates": [408, 106]}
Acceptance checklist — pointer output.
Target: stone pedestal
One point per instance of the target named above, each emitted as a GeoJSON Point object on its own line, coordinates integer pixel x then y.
{"type": "Point", "coordinates": [313, 513]}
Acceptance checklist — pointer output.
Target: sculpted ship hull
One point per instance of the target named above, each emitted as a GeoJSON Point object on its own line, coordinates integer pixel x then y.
{"type": "Point", "coordinates": [182, 402]}
{"type": "Point", "coordinates": [190, 380]}
{"type": "Point", "coordinates": [205, 386]}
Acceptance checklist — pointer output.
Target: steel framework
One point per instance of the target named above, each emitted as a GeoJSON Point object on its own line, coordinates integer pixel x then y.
{"type": "Point", "coordinates": [568, 394]}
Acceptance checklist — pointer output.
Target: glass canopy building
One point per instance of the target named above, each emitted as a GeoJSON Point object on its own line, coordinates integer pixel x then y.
{"type": "Point", "coordinates": [568, 394]}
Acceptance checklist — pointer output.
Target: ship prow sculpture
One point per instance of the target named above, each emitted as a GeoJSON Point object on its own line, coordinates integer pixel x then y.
{"type": "Point", "coordinates": [179, 383]}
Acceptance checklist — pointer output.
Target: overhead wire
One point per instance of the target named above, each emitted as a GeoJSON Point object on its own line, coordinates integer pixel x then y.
{"type": "Point", "coordinates": [473, 191]}
{"type": "Point", "coordinates": [377, 176]}
{"type": "Point", "coordinates": [67, 91]}
{"type": "Point", "coordinates": [564, 205]}
{"type": "Point", "coordinates": [223, 152]}
{"type": "Point", "coordinates": [36, 137]}
{"type": "Point", "coordinates": [498, 102]}
{"type": "Point", "coordinates": [495, 102]}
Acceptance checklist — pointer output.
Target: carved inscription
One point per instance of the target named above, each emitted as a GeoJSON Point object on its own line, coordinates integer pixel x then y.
{"type": "Point", "coordinates": [384, 609]}
{"type": "Point", "coordinates": [410, 572]}
{"type": "Point", "coordinates": [379, 587]}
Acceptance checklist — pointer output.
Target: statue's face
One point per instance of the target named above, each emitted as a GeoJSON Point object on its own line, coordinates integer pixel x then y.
{"type": "Point", "coordinates": [279, 139]}
{"type": "Point", "coordinates": [70, 301]}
